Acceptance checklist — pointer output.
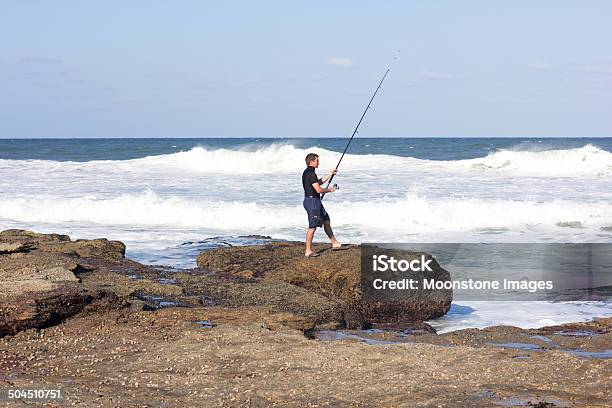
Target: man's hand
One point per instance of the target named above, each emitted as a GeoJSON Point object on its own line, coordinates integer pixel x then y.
{"type": "Point", "coordinates": [332, 188]}
{"type": "Point", "coordinates": [331, 173]}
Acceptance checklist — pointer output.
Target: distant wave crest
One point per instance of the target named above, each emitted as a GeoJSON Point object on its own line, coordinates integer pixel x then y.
{"type": "Point", "coordinates": [588, 160]}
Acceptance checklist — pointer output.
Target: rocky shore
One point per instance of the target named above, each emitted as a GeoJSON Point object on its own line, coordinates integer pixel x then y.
{"type": "Point", "coordinates": [255, 326]}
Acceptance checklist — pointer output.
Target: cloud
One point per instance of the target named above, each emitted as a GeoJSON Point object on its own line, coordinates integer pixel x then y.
{"type": "Point", "coordinates": [262, 100]}
{"type": "Point", "coordinates": [599, 87]}
{"type": "Point", "coordinates": [435, 76]}
{"type": "Point", "coordinates": [412, 80]}
{"type": "Point", "coordinates": [502, 100]}
{"type": "Point", "coordinates": [170, 74]}
{"type": "Point", "coordinates": [340, 62]}
{"type": "Point", "coordinates": [603, 67]}
{"type": "Point", "coordinates": [540, 66]}
{"type": "Point", "coordinates": [40, 60]}
{"type": "Point", "coordinates": [132, 100]}
{"type": "Point", "coordinates": [255, 79]}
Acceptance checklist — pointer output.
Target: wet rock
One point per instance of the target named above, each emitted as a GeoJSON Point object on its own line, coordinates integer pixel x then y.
{"type": "Point", "coordinates": [278, 296]}
{"type": "Point", "coordinates": [569, 224]}
{"type": "Point", "coordinates": [256, 236]}
{"type": "Point", "coordinates": [413, 328]}
{"type": "Point", "coordinates": [333, 274]}
{"type": "Point", "coordinates": [591, 328]}
{"type": "Point", "coordinates": [45, 309]}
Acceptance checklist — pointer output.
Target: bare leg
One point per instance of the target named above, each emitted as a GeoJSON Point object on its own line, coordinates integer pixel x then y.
{"type": "Point", "coordinates": [309, 236]}
{"type": "Point", "coordinates": [328, 230]}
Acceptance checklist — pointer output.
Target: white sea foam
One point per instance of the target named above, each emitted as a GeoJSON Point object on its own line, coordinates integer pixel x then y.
{"type": "Point", "coordinates": [527, 315]}
{"type": "Point", "coordinates": [588, 160]}
{"type": "Point", "coordinates": [382, 219]}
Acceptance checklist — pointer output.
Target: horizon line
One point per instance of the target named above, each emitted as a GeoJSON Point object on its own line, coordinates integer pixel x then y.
{"type": "Point", "coordinates": [305, 137]}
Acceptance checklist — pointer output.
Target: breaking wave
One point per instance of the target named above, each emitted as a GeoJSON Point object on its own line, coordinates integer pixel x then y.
{"type": "Point", "coordinates": [588, 160]}
{"type": "Point", "coordinates": [376, 219]}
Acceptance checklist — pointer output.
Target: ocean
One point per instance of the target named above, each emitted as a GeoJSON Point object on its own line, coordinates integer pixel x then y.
{"type": "Point", "coordinates": [168, 199]}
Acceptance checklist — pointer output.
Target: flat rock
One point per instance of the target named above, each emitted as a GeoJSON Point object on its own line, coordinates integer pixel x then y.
{"type": "Point", "coordinates": [39, 286]}
{"type": "Point", "coordinates": [11, 247]}
{"type": "Point", "coordinates": [45, 308]}
{"type": "Point", "coordinates": [333, 274]}
{"type": "Point", "coordinates": [61, 244]}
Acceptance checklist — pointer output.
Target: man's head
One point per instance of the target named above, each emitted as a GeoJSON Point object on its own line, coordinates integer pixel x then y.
{"type": "Point", "coordinates": [312, 160]}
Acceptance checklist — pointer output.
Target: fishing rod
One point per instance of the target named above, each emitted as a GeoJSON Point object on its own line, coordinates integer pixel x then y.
{"type": "Point", "coordinates": [356, 128]}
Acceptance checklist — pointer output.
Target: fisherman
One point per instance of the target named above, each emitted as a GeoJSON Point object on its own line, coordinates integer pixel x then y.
{"type": "Point", "coordinates": [317, 216]}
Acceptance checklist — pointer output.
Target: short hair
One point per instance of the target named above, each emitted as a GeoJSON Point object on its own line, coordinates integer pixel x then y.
{"type": "Point", "coordinates": [310, 157]}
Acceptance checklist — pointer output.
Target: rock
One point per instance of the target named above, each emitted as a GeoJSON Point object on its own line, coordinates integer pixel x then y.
{"type": "Point", "coordinates": [12, 247]}
{"type": "Point", "coordinates": [321, 292]}
{"type": "Point", "coordinates": [569, 224]}
{"type": "Point", "coordinates": [394, 306]}
{"type": "Point", "coordinates": [38, 282]}
{"type": "Point", "coordinates": [333, 274]}
{"type": "Point", "coordinates": [58, 278]}
{"type": "Point", "coordinates": [243, 343]}
{"type": "Point", "coordinates": [60, 274]}
{"type": "Point", "coordinates": [94, 248]}
{"type": "Point", "coordinates": [97, 248]}
{"type": "Point", "coordinates": [414, 328]}
{"type": "Point", "coordinates": [186, 357]}
{"type": "Point", "coordinates": [34, 271]}
{"type": "Point", "coordinates": [23, 236]}
{"type": "Point", "coordinates": [44, 309]}
{"type": "Point", "coordinates": [277, 296]}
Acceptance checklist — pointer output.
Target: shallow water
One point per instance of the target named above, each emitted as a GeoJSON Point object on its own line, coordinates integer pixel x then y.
{"type": "Point", "coordinates": [590, 354]}
{"type": "Point", "coordinates": [360, 335]}
{"type": "Point", "coordinates": [204, 324]}
{"type": "Point", "coordinates": [518, 346]}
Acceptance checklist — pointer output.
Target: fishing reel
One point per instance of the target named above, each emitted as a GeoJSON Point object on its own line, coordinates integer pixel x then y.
{"type": "Point", "coordinates": [336, 186]}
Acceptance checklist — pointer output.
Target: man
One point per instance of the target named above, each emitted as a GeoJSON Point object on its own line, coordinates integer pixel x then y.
{"type": "Point", "coordinates": [317, 216]}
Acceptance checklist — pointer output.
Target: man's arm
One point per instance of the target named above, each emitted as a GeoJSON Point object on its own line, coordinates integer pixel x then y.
{"type": "Point", "coordinates": [322, 190]}
{"type": "Point", "coordinates": [331, 173]}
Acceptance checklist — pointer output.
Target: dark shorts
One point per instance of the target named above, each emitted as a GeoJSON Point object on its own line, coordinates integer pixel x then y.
{"type": "Point", "coordinates": [316, 212]}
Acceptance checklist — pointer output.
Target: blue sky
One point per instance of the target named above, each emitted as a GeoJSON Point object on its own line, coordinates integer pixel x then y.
{"type": "Point", "coordinates": [227, 69]}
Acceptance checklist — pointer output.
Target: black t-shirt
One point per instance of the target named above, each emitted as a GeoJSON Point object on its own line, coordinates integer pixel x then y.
{"type": "Point", "coordinates": [309, 177]}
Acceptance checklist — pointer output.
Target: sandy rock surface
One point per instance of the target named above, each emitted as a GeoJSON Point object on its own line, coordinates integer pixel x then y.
{"type": "Point", "coordinates": [182, 357]}
{"type": "Point", "coordinates": [111, 332]}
